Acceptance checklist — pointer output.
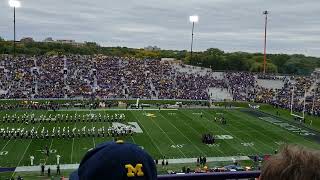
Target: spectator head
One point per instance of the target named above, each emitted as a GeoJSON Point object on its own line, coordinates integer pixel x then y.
{"type": "Point", "coordinates": [292, 163]}
{"type": "Point", "coordinates": [116, 160]}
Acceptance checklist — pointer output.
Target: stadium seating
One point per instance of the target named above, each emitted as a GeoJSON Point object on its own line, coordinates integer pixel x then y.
{"type": "Point", "coordinates": [104, 77]}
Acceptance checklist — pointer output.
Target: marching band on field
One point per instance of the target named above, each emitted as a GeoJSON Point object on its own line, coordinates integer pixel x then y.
{"type": "Point", "coordinates": [67, 131]}
{"type": "Point", "coordinates": [62, 118]}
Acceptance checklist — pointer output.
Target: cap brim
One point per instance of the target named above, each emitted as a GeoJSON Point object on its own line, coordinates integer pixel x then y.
{"type": "Point", "coordinates": [74, 175]}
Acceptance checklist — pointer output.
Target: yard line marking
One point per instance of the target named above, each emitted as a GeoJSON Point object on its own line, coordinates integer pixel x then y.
{"type": "Point", "coordinates": [292, 139]}
{"type": "Point", "coordinates": [247, 135]}
{"type": "Point", "coordinates": [72, 144]}
{"type": "Point", "coordinates": [255, 131]}
{"type": "Point", "coordinates": [94, 143]}
{"type": "Point", "coordinates": [200, 134]}
{"type": "Point", "coordinates": [133, 140]}
{"type": "Point", "coordinates": [130, 135]}
{"type": "Point", "coordinates": [231, 133]}
{"type": "Point", "coordinates": [51, 144]}
{"type": "Point", "coordinates": [6, 145]}
{"type": "Point", "coordinates": [145, 130]}
{"type": "Point", "coordinates": [10, 139]}
{"type": "Point", "coordinates": [72, 150]}
{"type": "Point", "coordinates": [109, 125]}
{"type": "Point", "coordinates": [29, 143]}
{"type": "Point", "coordinates": [184, 135]}
{"type": "Point", "coordinates": [167, 136]}
{"type": "Point", "coordinates": [49, 149]}
{"type": "Point", "coordinates": [210, 130]}
{"type": "Point", "coordinates": [25, 152]}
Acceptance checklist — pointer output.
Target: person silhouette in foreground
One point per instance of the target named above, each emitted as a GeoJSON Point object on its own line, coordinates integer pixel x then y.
{"type": "Point", "coordinates": [292, 163]}
{"type": "Point", "coordinates": [116, 160]}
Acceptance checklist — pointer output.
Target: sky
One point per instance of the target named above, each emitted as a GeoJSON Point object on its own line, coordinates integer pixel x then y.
{"type": "Point", "coordinates": [230, 25]}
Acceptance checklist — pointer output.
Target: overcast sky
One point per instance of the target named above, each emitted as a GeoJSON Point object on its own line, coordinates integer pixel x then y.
{"type": "Point", "coordinates": [231, 25]}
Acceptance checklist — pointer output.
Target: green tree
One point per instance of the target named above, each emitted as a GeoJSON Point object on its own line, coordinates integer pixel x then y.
{"type": "Point", "coordinates": [52, 53]}
{"type": "Point", "coordinates": [279, 60]}
{"type": "Point", "coordinates": [258, 67]}
{"type": "Point", "coordinates": [237, 62]}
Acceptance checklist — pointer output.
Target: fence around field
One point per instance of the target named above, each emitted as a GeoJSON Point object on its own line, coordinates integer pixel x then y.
{"type": "Point", "coordinates": [212, 176]}
{"type": "Point", "coordinates": [195, 176]}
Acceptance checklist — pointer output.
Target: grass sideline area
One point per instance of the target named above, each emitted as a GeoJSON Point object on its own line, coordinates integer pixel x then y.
{"type": "Point", "coordinates": [171, 133]}
{"type": "Point", "coordinates": [286, 114]}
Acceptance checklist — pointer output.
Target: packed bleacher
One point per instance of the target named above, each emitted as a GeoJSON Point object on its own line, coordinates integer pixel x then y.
{"type": "Point", "coordinates": [104, 77]}
{"type": "Point", "coordinates": [99, 76]}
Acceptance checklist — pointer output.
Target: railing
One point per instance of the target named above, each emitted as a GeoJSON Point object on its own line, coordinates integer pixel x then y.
{"type": "Point", "coordinates": [212, 176]}
{"type": "Point", "coordinates": [195, 176]}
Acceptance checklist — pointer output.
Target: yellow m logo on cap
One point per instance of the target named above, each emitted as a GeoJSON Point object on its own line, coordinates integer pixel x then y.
{"type": "Point", "coordinates": [132, 171]}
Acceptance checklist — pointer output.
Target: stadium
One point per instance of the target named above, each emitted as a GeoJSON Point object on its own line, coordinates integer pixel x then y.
{"type": "Point", "coordinates": [61, 100]}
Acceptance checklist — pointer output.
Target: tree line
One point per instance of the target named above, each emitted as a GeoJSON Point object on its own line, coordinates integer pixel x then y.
{"type": "Point", "coordinates": [211, 58]}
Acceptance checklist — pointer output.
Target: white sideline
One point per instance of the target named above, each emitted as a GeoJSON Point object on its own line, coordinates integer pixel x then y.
{"type": "Point", "coordinates": [62, 110]}
{"type": "Point", "coordinates": [170, 161]}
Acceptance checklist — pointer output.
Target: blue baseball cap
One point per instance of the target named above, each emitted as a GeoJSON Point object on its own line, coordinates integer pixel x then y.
{"type": "Point", "coordinates": [116, 160]}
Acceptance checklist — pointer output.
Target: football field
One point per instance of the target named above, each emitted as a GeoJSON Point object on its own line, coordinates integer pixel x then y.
{"type": "Point", "coordinates": [172, 134]}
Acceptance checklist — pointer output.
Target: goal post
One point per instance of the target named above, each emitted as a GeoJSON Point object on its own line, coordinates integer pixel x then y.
{"type": "Point", "coordinates": [304, 105]}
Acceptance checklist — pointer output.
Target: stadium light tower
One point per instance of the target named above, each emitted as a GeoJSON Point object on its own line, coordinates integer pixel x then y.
{"type": "Point", "coordinates": [193, 19]}
{"type": "Point", "coordinates": [15, 4]}
{"type": "Point", "coordinates": [265, 42]}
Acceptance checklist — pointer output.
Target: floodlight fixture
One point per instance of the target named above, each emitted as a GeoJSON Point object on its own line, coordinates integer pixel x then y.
{"type": "Point", "coordinates": [14, 3]}
{"type": "Point", "coordinates": [194, 19]}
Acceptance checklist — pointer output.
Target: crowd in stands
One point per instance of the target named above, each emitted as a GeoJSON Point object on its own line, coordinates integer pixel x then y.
{"type": "Point", "coordinates": [240, 83]}
{"type": "Point", "coordinates": [75, 76]}
{"type": "Point", "coordinates": [104, 77]}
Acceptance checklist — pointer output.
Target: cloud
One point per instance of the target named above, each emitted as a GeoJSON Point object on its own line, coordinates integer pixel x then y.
{"type": "Point", "coordinates": [293, 25]}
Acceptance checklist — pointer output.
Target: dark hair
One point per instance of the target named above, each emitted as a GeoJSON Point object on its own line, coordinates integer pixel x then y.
{"type": "Point", "coordinates": [292, 163]}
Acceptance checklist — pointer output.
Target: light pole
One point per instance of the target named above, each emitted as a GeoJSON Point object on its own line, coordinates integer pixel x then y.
{"type": "Point", "coordinates": [15, 4]}
{"type": "Point", "coordinates": [193, 19]}
{"type": "Point", "coordinates": [265, 42]}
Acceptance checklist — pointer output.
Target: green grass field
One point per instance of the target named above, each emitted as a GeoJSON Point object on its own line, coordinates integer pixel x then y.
{"type": "Point", "coordinates": [170, 133]}
{"type": "Point", "coordinates": [311, 121]}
